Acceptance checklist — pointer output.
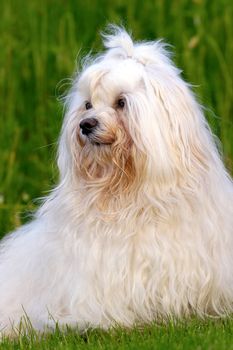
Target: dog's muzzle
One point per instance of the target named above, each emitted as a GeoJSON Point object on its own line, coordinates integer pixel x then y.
{"type": "Point", "coordinates": [88, 125]}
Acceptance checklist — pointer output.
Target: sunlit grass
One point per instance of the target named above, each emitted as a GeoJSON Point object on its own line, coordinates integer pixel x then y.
{"type": "Point", "coordinates": [194, 334]}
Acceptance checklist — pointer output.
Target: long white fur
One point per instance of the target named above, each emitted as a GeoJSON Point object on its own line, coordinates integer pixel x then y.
{"type": "Point", "coordinates": [137, 230]}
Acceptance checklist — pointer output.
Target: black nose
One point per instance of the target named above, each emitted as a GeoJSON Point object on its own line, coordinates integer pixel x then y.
{"type": "Point", "coordinates": [88, 125]}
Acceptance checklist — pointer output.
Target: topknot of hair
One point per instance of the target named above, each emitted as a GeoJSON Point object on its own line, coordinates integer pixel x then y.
{"type": "Point", "coordinates": [119, 41]}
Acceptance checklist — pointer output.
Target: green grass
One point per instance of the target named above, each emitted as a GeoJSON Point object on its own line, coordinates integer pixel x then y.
{"type": "Point", "coordinates": [195, 335]}
{"type": "Point", "coordinates": [39, 43]}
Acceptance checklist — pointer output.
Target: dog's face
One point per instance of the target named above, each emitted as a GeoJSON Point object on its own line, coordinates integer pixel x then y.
{"type": "Point", "coordinates": [106, 142]}
{"type": "Point", "coordinates": [106, 92]}
{"type": "Point", "coordinates": [131, 120]}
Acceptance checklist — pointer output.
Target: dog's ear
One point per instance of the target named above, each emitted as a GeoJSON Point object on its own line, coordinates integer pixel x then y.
{"type": "Point", "coordinates": [187, 132]}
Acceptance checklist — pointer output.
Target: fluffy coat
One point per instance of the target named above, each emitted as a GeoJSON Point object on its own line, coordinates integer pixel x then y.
{"type": "Point", "coordinates": [140, 225]}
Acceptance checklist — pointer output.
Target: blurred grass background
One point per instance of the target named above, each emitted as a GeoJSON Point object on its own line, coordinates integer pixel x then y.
{"type": "Point", "coordinates": [39, 43]}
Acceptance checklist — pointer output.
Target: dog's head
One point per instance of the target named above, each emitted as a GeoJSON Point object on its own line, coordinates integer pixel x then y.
{"type": "Point", "coordinates": [131, 119]}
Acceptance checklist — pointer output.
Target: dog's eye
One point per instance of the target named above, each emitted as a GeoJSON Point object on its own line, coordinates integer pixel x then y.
{"type": "Point", "coordinates": [121, 103]}
{"type": "Point", "coordinates": [88, 105]}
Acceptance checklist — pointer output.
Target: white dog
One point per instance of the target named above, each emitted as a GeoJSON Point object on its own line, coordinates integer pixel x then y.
{"type": "Point", "coordinates": [140, 226]}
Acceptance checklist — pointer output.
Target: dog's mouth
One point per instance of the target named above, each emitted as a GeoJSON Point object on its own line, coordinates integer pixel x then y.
{"type": "Point", "coordinates": [99, 144]}
{"type": "Point", "coordinates": [97, 139]}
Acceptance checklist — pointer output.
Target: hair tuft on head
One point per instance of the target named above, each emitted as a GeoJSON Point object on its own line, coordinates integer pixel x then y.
{"type": "Point", "coordinates": [119, 41]}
